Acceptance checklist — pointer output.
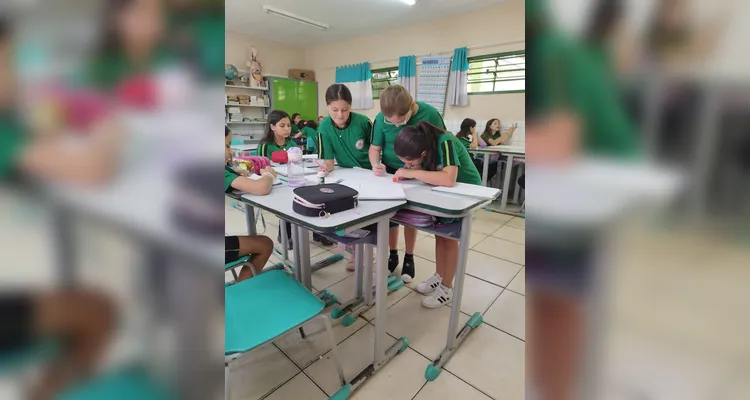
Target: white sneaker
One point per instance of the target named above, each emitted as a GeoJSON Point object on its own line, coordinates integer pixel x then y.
{"type": "Point", "coordinates": [406, 278]}
{"type": "Point", "coordinates": [440, 297]}
{"type": "Point", "coordinates": [430, 284]}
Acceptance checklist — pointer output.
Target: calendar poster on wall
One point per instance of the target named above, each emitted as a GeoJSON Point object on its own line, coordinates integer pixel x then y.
{"type": "Point", "coordinates": [433, 81]}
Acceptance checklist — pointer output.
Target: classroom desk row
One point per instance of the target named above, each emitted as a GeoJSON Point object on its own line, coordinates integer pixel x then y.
{"type": "Point", "coordinates": [510, 153]}
{"type": "Point", "coordinates": [420, 197]}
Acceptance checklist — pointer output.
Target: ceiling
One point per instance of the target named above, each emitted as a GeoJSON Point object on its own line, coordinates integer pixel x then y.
{"type": "Point", "coordinates": [347, 18]}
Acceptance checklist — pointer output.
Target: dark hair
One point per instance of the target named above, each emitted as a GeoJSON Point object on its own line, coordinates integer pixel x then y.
{"type": "Point", "coordinates": [321, 117]}
{"type": "Point", "coordinates": [466, 126]}
{"type": "Point", "coordinates": [413, 140]}
{"type": "Point", "coordinates": [487, 127]}
{"type": "Point", "coordinates": [295, 115]}
{"type": "Point", "coordinates": [338, 91]}
{"type": "Point", "coordinates": [660, 37]}
{"type": "Point", "coordinates": [311, 124]}
{"type": "Point", "coordinates": [110, 39]}
{"type": "Point", "coordinates": [227, 131]}
{"type": "Point", "coordinates": [273, 118]}
{"type": "Point", "coordinates": [605, 16]}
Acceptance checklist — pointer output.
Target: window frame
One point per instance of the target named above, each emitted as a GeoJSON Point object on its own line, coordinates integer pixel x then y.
{"type": "Point", "coordinates": [485, 57]}
{"type": "Point", "coordinates": [376, 95]}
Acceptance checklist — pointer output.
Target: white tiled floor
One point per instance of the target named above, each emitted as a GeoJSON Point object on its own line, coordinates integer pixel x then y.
{"type": "Point", "coordinates": [490, 363]}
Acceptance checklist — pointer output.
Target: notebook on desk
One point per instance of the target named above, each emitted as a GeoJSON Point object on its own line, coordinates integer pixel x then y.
{"type": "Point", "coordinates": [465, 189]}
{"type": "Point", "coordinates": [276, 181]}
{"type": "Point", "coordinates": [370, 190]}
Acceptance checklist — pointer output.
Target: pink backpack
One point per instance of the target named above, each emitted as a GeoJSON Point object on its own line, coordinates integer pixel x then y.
{"type": "Point", "coordinates": [257, 162]}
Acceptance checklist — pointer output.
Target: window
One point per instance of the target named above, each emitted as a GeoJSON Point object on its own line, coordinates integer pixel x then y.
{"type": "Point", "coordinates": [382, 78]}
{"type": "Point", "coordinates": [497, 73]}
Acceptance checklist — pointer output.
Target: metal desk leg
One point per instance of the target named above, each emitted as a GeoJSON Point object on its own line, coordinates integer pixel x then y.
{"type": "Point", "coordinates": [518, 187]}
{"type": "Point", "coordinates": [382, 355]}
{"type": "Point", "coordinates": [359, 254]}
{"type": "Point", "coordinates": [285, 242]}
{"type": "Point", "coordinates": [455, 339]}
{"type": "Point", "coordinates": [295, 251]}
{"type": "Point", "coordinates": [506, 182]}
{"type": "Point", "coordinates": [64, 245]}
{"type": "Point", "coordinates": [367, 273]}
{"type": "Point", "coordinates": [250, 219]}
{"type": "Point", "coordinates": [485, 168]}
{"type": "Point", "coordinates": [303, 262]}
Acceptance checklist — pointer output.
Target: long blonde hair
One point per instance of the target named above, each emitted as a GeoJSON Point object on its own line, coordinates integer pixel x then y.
{"type": "Point", "coordinates": [395, 100]}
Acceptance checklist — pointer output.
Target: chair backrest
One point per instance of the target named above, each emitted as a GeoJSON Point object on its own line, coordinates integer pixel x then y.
{"type": "Point", "coordinates": [237, 142]}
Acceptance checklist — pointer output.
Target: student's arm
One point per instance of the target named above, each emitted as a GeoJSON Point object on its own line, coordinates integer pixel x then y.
{"type": "Point", "coordinates": [376, 145]}
{"type": "Point", "coordinates": [91, 163]}
{"type": "Point", "coordinates": [474, 142]}
{"type": "Point", "coordinates": [325, 151]}
{"type": "Point", "coordinates": [260, 187]}
{"type": "Point", "coordinates": [446, 177]}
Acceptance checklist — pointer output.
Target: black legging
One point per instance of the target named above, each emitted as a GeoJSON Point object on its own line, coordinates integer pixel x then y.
{"type": "Point", "coordinates": [491, 170]}
{"type": "Point", "coordinates": [522, 181]}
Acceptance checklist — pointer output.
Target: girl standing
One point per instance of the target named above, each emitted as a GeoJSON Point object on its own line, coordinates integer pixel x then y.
{"type": "Point", "coordinates": [398, 110]}
{"type": "Point", "coordinates": [434, 156]}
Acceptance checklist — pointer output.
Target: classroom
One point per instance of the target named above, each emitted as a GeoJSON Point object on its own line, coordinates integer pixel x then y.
{"type": "Point", "coordinates": [430, 94]}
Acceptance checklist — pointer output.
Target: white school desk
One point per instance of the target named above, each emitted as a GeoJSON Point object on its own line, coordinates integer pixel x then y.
{"type": "Point", "coordinates": [510, 152]}
{"type": "Point", "coordinates": [420, 197]}
{"type": "Point", "coordinates": [279, 202]}
{"type": "Point", "coordinates": [584, 201]}
{"type": "Point", "coordinates": [138, 203]}
{"type": "Point", "coordinates": [244, 147]}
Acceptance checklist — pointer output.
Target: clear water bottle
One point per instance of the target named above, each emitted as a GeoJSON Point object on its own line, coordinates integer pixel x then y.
{"type": "Point", "coordinates": [295, 168]}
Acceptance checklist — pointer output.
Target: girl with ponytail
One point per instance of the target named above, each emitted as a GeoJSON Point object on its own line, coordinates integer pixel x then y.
{"type": "Point", "coordinates": [438, 158]}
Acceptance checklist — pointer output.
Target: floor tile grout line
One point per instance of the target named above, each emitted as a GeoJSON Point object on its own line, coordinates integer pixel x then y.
{"type": "Point", "coordinates": [507, 333]}
{"type": "Point", "coordinates": [501, 293]}
{"type": "Point", "coordinates": [265, 396]}
{"type": "Point", "coordinates": [420, 389]}
{"type": "Point", "coordinates": [500, 258]}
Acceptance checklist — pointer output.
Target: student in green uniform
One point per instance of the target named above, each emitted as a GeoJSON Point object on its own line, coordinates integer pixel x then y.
{"type": "Point", "coordinates": [82, 318]}
{"type": "Point", "coordinates": [345, 135]}
{"type": "Point", "coordinates": [296, 119]}
{"type": "Point", "coordinates": [492, 135]}
{"type": "Point", "coordinates": [572, 104]}
{"type": "Point", "coordinates": [320, 119]}
{"type": "Point", "coordinates": [258, 246]}
{"type": "Point", "coordinates": [133, 43]}
{"type": "Point", "coordinates": [276, 138]}
{"type": "Point", "coordinates": [469, 138]}
{"type": "Point", "coordinates": [310, 135]}
{"type": "Point", "coordinates": [397, 110]}
{"type": "Point", "coordinates": [434, 156]}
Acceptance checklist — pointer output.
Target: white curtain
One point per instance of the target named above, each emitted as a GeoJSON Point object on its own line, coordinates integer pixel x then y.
{"type": "Point", "coordinates": [458, 79]}
{"type": "Point", "coordinates": [358, 78]}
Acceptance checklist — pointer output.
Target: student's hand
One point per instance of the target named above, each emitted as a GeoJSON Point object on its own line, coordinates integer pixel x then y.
{"type": "Point", "coordinates": [323, 169]}
{"type": "Point", "coordinates": [404, 173]}
{"type": "Point", "coordinates": [554, 139]}
{"type": "Point", "coordinates": [243, 172]}
{"type": "Point", "coordinates": [514, 127]}
{"type": "Point", "coordinates": [270, 170]}
{"type": "Point", "coordinates": [378, 169]}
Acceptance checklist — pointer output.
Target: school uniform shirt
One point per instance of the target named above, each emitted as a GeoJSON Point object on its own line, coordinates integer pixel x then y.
{"type": "Point", "coordinates": [348, 145]}
{"type": "Point", "coordinates": [266, 149]}
{"type": "Point", "coordinates": [384, 133]}
{"type": "Point", "coordinates": [450, 152]}
{"type": "Point", "coordinates": [229, 177]}
{"type": "Point", "coordinates": [308, 132]}
{"type": "Point", "coordinates": [295, 129]}
{"type": "Point", "coordinates": [12, 143]}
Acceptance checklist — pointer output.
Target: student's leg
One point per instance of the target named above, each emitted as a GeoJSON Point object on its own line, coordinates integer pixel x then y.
{"type": "Point", "coordinates": [446, 253]}
{"type": "Point", "coordinates": [407, 270]}
{"type": "Point", "coordinates": [260, 247]}
{"type": "Point", "coordinates": [85, 320]}
{"type": "Point", "coordinates": [393, 245]}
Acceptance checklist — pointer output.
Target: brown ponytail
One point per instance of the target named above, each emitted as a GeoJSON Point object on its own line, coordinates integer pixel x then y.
{"type": "Point", "coordinates": [413, 140]}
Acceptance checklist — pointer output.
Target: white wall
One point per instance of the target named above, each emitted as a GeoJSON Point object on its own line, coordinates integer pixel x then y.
{"type": "Point", "coordinates": [497, 24]}
{"type": "Point", "coordinates": [276, 58]}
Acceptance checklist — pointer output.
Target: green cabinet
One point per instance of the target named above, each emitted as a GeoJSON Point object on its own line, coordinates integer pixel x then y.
{"type": "Point", "coordinates": [294, 96]}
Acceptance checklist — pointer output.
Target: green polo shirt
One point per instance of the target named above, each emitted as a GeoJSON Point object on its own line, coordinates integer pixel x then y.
{"type": "Point", "coordinates": [12, 143]}
{"type": "Point", "coordinates": [486, 136]}
{"type": "Point", "coordinates": [295, 129]}
{"type": "Point", "coordinates": [108, 70]}
{"type": "Point", "coordinates": [229, 177]}
{"type": "Point", "coordinates": [451, 152]}
{"type": "Point", "coordinates": [349, 145]}
{"type": "Point", "coordinates": [384, 133]}
{"type": "Point", "coordinates": [568, 75]}
{"type": "Point", "coordinates": [265, 149]}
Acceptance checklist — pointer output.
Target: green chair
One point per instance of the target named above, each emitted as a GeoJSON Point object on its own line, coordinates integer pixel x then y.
{"type": "Point", "coordinates": [126, 384]}
{"type": "Point", "coordinates": [33, 353]}
{"type": "Point", "coordinates": [239, 263]}
{"type": "Point", "coordinates": [260, 309]}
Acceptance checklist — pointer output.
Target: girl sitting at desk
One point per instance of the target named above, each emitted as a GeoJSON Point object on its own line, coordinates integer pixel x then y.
{"type": "Point", "coordinates": [260, 247]}
{"type": "Point", "coordinates": [492, 135]}
{"type": "Point", "coordinates": [436, 157]}
{"type": "Point", "coordinates": [471, 141]}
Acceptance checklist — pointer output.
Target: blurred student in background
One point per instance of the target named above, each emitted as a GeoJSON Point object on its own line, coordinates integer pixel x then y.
{"type": "Point", "coordinates": [469, 138]}
{"type": "Point", "coordinates": [81, 319]}
{"type": "Point", "coordinates": [573, 108]}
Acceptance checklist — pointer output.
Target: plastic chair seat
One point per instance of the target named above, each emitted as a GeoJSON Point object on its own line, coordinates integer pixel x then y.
{"type": "Point", "coordinates": [33, 353]}
{"type": "Point", "coordinates": [264, 307]}
{"type": "Point", "coordinates": [127, 384]}
{"type": "Point", "coordinates": [239, 261]}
